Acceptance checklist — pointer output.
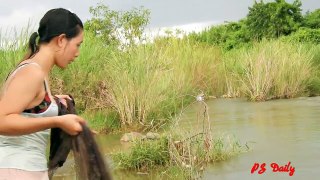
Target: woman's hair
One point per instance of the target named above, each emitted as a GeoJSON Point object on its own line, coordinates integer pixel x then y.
{"type": "Point", "coordinates": [54, 23]}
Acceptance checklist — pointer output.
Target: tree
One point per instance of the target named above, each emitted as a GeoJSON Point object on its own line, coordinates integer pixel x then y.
{"type": "Point", "coordinates": [228, 36]}
{"type": "Point", "coordinates": [312, 20]}
{"type": "Point", "coordinates": [117, 27]}
{"type": "Point", "coordinates": [273, 19]}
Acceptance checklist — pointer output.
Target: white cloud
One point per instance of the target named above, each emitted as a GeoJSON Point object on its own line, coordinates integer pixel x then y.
{"type": "Point", "coordinates": [179, 30]}
{"type": "Point", "coordinates": [195, 27]}
{"type": "Point", "coordinates": [21, 18]}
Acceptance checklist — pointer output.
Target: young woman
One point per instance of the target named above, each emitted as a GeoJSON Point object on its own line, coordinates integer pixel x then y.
{"type": "Point", "coordinates": [27, 109]}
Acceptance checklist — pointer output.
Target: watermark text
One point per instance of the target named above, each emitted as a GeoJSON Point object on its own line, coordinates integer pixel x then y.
{"type": "Point", "coordinates": [261, 168]}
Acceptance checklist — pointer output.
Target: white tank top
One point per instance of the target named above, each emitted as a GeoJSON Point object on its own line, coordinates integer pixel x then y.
{"type": "Point", "coordinates": [27, 152]}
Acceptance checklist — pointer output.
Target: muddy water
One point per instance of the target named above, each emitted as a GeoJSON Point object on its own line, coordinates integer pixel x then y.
{"type": "Point", "coordinates": [279, 132]}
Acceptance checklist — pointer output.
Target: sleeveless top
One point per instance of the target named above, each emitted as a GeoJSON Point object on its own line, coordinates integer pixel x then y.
{"type": "Point", "coordinates": [28, 152]}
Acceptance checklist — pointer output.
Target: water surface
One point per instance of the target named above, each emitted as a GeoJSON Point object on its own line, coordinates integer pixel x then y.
{"type": "Point", "coordinates": [278, 131]}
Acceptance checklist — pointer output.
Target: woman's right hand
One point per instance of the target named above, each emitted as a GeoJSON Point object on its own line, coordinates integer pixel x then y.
{"type": "Point", "coordinates": [70, 123]}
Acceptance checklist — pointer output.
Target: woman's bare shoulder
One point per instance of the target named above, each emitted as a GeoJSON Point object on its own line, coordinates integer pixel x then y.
{"type": "Point", "coordinates": [24, 86]}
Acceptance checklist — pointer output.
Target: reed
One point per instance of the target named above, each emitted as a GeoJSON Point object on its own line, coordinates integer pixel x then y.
{"type": "Point", "coordinates": [273, 69]}
{"type": "Point", "coordinates": [12, 49]}
{"type": "Point", "coordinates": [150, 83]}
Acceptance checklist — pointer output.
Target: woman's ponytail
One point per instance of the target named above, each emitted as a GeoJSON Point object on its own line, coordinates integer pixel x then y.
{"type": "Point", "coordinates": [33, 44]}
{"type": "Point", "coordinates": [33, 47]}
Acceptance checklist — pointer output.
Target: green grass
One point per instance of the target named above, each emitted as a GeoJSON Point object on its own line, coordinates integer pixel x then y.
{"type": "Point", "coordinates": [101, 121]}
{"type": "Point", "coordinates": [171, 157]}
{"type": "Point", "coordinates": [272, 69]}
{"type": "Point", "coordinates": [143, 155]}
{"type": "Point", "coordinates": [149, 83]}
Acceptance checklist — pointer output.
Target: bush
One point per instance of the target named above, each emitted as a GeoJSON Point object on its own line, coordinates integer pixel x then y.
{"type": "Point", "coordinates": [228, 36]}
{"type": "Point", "coordinates": [305, 35]}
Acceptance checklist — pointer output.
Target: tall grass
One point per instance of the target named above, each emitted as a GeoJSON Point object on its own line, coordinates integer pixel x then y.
{"type": "Point", "coordinates": [149, 83]}
{"type": "Point", "coordinates": [314, 84]}
{"type": "Point", "coordinates": [12, 49]}
{"type": "Point", "coordinates": [273, 69]}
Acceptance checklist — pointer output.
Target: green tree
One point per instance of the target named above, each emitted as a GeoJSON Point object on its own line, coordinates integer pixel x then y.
{"type": "Point", "coordinates": [118, 27]}
{"type": "Point", "coordinates": [273, 19]}
{"type": "Point", "coordinates": [312, 20]}
{"type": "Point", "coordinates": [228, 36]}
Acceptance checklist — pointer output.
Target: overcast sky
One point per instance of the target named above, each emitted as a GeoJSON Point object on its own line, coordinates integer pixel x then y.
{"type": "Point", "coordinates": [164, 13]}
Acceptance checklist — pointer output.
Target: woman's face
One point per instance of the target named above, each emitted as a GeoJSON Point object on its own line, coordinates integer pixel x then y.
{"type": "Point", "coordinates": [71, 50]}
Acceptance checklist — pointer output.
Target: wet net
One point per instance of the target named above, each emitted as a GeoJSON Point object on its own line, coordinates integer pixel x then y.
{"type": "Point", "coordinates": [89, 162]}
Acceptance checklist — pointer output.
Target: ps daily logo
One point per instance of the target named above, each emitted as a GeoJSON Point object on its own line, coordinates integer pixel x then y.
{"type": "Point", "coordinates": [262, 168]}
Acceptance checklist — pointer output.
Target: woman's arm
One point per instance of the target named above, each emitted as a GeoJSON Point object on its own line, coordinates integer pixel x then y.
{"type": "Point", "coordinates": [20, 92]}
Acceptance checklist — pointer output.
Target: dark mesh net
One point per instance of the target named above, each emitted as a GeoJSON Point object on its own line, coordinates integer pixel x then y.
{"type": "Point", "coordinates": [89, 162]}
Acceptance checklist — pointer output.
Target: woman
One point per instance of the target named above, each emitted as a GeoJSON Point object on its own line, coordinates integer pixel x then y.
{"type": "Point", "coordinates": [27, 109]}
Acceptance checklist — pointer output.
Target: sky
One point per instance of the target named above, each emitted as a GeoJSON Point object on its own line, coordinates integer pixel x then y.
{"type": "Point", "coordinates": [185, 14]}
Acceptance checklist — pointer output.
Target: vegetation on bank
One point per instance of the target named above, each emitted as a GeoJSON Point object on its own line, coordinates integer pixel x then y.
{"type": "Point", "coordinates": [181, 152]}
{"type": "Point", "coordinates": [176, 156]}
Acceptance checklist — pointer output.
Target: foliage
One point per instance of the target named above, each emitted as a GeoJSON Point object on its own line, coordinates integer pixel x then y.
{"type": "Point", "coordinates": [118, 27]}
{"type": "Point", "coordinates": [305, 35]}
{"type": "Point", "coordinates": [144, 155]}
{"type": "Point", "coordinates": [269, 20]}
{"type": "Point", "coordinates": [312, 19]}
{"type": "Point", "coordinates": [273, 19]}
{"type": "Point", "coordinates": [228, 36]}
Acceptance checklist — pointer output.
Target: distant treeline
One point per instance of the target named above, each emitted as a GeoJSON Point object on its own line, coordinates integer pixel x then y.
{"type": "Point", "coordinates": [271, 20]}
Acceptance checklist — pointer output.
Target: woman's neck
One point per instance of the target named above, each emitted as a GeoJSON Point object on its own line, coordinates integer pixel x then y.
{"type": "Point", "coordinates": [45, 58]}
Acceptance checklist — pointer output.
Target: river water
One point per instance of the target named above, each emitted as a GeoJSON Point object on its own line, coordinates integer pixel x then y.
{"type": "Point", "coordinates": [277, 132]}
{"type": "Point", "coordinates": [281, 131]}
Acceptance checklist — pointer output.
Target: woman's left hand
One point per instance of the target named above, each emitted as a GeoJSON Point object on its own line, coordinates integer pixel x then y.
{"type": "Point", "coordinates": [62, 99]}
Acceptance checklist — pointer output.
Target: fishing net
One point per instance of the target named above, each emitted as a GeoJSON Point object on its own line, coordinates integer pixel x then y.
{"type": "Point", "coordinates": [89, 162]}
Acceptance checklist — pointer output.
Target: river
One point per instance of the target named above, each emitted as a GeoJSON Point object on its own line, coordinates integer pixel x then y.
{"type": "Point", "coordinates": [279, 132]}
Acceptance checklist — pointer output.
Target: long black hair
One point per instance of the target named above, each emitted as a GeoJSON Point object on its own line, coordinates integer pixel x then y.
{"type": "Point", "coordinates": [54, 23]}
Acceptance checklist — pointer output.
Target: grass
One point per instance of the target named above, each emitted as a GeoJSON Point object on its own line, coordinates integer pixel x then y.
{"type": "Point", "coordinates": [273, 69]}
{"type": "Point", "coordinates": [156, 79]}
{"type": "Point", "coordinates": [101, 121]}
{"type": "Point", "coordinates": [12, 50]}
{"type": "Point", "coordinates": [172, 155]}
{"type": "Point", "coordinates": [144, 155]}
